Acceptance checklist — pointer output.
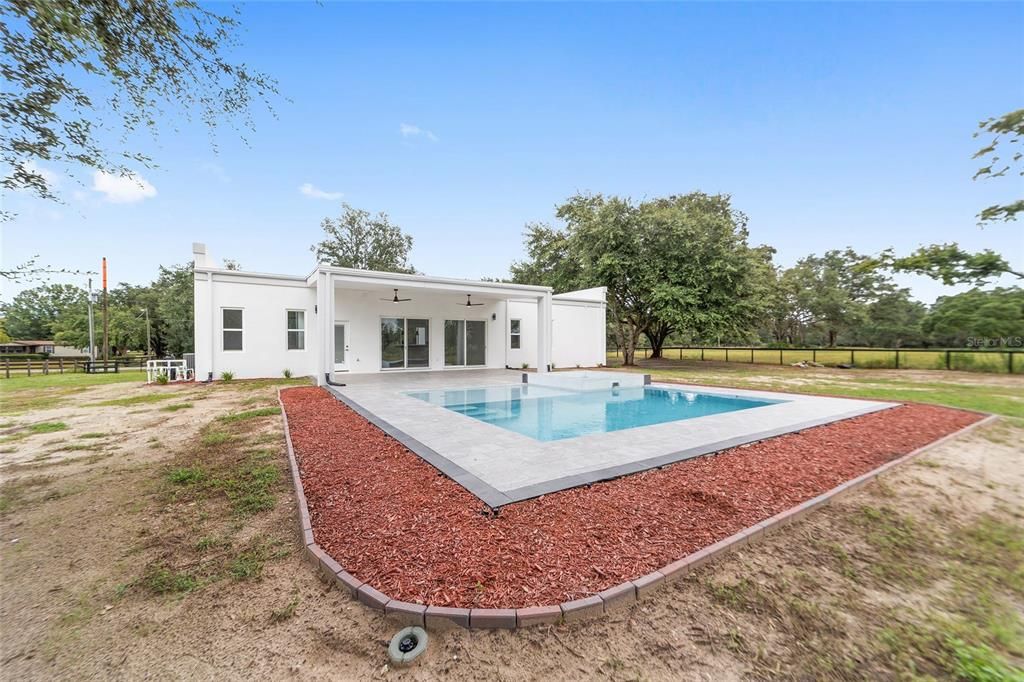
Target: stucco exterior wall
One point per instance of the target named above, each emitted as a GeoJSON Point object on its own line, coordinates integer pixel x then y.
{"type": "Point", "coordinates": [578, 330]}
{"type": "Point", "coordinates": [577, 325]}
{"type": "Point", "coordinates": [264, 302]}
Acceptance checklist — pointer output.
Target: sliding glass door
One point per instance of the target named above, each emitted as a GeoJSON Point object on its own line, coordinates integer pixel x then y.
{"type": "Point", "coordinates": [465, 343]}
{"type": "Point", "coordinates": [404, 343]}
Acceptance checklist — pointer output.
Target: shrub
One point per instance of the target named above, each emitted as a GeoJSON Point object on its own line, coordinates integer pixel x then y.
{"type": "Point", "coordinates": [287, 374]}
{"type": "Point", "coordinates": [227, 376]}
{"type": "Point", "coordinates": [162, 378]}
{"type": "Point", "coordinates": [526, 365]}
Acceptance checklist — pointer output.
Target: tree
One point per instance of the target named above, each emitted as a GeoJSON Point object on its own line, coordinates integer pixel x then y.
{"type": "Point", "coordinates": [4, 336]}
{"type": "Point", "coordinates": [148, 56]}
{"type": "Point", "coordinates": [175, 294]}
{"type": "Point", "coordinates": [550, 262]}
{"type": "Point", "coordinates": [33, 313]}
{"type": "Point", "coordinates": [893, 320]}
{"type": "Point", "coordinates": [948, 263]}
{"type": "Point", "coordinates": [834, 290]}
{"type": "Point", "coordinates": [672, 264]}
{"type": "Point", "coordinates": [1009, 126]}
{"type": "Point", "coordinates": [362, 241]}
{"type": "Point", "coordinates": [994, 314]}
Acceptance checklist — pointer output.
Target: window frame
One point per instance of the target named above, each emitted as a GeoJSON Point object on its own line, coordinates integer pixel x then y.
{"type": "Point", "coordinates": [240, 330]}
{"type": "Point", "coordinates": [516, 336]}
{"type": "Point", "coordinates": [405, 344]}
{"type": "Point", "coordinates": [465, 342]}
{"type": "Point", "coordinates": [289, 329]}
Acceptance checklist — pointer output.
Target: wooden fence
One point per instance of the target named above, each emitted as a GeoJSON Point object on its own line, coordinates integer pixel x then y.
{"type": "Point", "coordinates": [1001, 361]}
{"type": "Point", "coordinates": [33, 367]}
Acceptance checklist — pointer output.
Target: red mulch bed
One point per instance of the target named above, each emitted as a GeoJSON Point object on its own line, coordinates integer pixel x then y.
{"type": "Point", "coordinates": [395, 522]}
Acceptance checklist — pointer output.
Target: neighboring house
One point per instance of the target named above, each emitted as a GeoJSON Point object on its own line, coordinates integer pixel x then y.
{"type": "Point", "coordinates": [38, 346]}
{"type": "Point", "coordinates": [339, 320]}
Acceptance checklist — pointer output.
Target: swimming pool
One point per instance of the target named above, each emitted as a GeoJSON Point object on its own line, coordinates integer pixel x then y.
{"type": "Point", "coordinates": [546, 413]}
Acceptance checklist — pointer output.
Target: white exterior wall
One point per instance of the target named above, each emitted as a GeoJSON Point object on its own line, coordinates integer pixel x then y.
{"type": "Point", "coordinates": [363, 311]}
{"type": "Point", "coordinates": [576, 323]}
{"type": "Point", "coordinates": [578, 329]}
{"type": "Point", "coordinates": [264, 302]}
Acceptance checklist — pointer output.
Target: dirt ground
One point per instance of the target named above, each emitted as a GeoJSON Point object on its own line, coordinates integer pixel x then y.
{"type": "Point", "coordinates": [141, 541]}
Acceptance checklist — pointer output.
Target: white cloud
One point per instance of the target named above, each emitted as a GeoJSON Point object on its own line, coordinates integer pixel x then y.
{"type": "Point", "coordinates": [410, 130]}
{"type": "Point", "coordinates": [122, 189]}
{"type": "Point", "coordinates": [310, 190]}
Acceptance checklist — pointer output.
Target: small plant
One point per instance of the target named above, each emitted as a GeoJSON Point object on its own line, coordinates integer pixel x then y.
{"type": "Point", "coordinates": [284, 613]}
{"type": "Point", "coordinates": [47, 427]}
{"type": "Point", "coordinates": [162, 378]}
{"type": "Point", "coordinates": [250, 414]}
{"type": "Point", "coordinates": [186, 475]}
{"type": "Point", "coordinates": [227, 376]}
{"type": "Point", "coordinates": [216, 438]}
{"type": "Point", "coordinates": [526, 365]}
{"type": "Point", "coordinates": [287, 373]}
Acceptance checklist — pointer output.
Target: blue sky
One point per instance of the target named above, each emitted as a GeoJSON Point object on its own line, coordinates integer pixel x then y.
{"type": "Point", "coordinates": [830, 124]}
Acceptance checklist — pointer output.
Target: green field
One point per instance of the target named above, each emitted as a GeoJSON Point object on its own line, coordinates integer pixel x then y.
{"type": "Point", "coordinates": [1000, 395]}
{"type": "Point", "coordinates": [864, 358]}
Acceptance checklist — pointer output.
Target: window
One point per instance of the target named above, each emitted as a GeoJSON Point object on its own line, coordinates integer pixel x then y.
{"type": "Point", "coordinates": [296, 330]}
{"type": "Point", "coordinates": [513, 338]}
{"type": "Point", "coordinates": [464, 343]}
{"type": "Point", "coordinates": [404, 343]}
{"type": "Point", "coordinates": [231, 328]}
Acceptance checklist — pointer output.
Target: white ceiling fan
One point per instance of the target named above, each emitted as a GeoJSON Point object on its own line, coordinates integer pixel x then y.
{"type": "Point", "coordinates": [396, 299]}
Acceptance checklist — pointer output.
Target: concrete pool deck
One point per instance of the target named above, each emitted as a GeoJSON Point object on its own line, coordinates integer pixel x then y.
{"type": "Point", "coordinates": [501, 467]}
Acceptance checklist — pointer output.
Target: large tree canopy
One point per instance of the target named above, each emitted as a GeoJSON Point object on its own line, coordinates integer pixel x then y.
{"type": "Point", "coordinates": [834, 291]}
{"type": "Point", "coordinates": [359, 240]}
{"type": "Point", "coordinates": [678, 263]}
{"type": "Point", "coordinates": [996, 314]}
{"type": "Point", "coordinates": [61, 312]}
{"type": "Point", "coordinates": [34, 313]}
{"type": "Point", "coordinates": [80, 73]}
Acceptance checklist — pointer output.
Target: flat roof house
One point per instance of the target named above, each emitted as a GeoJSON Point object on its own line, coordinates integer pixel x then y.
{"type": "Point", "coordinates": [335, 321]}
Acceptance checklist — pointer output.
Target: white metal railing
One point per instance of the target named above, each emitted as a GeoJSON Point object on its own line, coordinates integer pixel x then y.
{"type": "Point", "coordinates": [174, 370]}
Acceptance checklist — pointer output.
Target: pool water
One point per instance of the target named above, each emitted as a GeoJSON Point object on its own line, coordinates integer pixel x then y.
{"type": "Point", "coordinates": [546, 414]}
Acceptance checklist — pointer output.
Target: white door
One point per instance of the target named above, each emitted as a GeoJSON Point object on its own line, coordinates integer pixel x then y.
{"type": "Point", "coordinates": [340, 346]}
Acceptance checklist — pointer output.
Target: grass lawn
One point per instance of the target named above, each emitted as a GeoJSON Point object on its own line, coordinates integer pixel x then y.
{"type": "Point", "coordinates": [69, 380]}
{"type": "Point", "coordinates": [983, 392]}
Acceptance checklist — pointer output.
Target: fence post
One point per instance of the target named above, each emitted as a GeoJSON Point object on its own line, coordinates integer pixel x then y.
{"type": "Point", "coordinates": [751, 356]}
{"type": "Point", "coordinates": [7, 366]}
{"type": "Point", "coordinates": [46, 365]}
{"type": "Point", "coordinates": [702, 353]}
{"type": "Point", "coordinates": [29, 366]}
{"type": "Point", "coordinates": [1009, 359]}
{"type": "Point", "coordinates": [780, 358]}
{"type": "Point", "coordinates": [947, 360]}
{"type": "Point", "coordinates": [680, 352]}
{"type": "Point", "coordinates": [727, 355]}
{"type": "Point", "coordinates": [897, 358]}
{"type": "Point", "coordinates": [814, 355]}
{"type": "Point", "coordinates": [851, 357]}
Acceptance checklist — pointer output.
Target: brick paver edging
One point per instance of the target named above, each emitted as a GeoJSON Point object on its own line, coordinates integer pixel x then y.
{"type": "Point", "coordinates": [607, 600]}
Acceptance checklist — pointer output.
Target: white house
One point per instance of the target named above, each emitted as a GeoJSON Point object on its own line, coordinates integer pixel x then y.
{"type": "Point", "coordinates": [339, 320]}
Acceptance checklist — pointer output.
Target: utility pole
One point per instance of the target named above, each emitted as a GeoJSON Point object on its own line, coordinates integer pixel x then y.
{"type": "Point", "coordinates": [92, 327]}
{"type": "Point", "coordinates": [106, 317]}
{"type": "Point", "coordinates": [149, 342]}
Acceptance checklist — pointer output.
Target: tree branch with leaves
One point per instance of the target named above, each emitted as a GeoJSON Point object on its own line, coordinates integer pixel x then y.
{"type": "Point", "coordinates": [78, 72]}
